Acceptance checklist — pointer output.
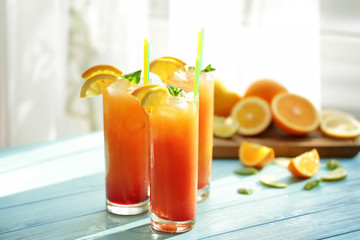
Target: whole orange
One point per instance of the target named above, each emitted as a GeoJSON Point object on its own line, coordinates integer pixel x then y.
{"type": "Point", "coordinates": [224, 99]}
{"type": "Point", "coordinates": [265, 88]}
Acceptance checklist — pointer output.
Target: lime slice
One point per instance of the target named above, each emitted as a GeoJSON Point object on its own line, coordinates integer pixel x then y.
{"type": "Point", "coordinates": [224, 127]}
{"type": "Point", "coordinates": [270, 181]}
{"type": "Point", "coordinates": [335, 175]}
{"type": "Point", "coordinates": [282, 161]}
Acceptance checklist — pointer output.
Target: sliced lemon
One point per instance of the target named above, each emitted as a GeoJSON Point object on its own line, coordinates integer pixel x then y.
{"type": "Point", "coordinates": [335, 175]}
{"type": "Point", "coordinates": [140, 92]}
{"type": "Point", "coordinates": [164, 67]}
{"type": "Point", "coordinates": [101, 69]}
{"type": "Point", "coordinates": [327, 113]}
{"type": "Point", "coordinates": [341, 126]}
{"type": "Point", "coordinates": [95, 85]}
{"type": "Point", "coordinates": [154, 96]}
{"type": "Point", "coordinates": [224, 127]}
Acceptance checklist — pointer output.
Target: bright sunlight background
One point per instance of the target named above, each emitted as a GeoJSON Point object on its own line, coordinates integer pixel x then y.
{"type": "Point", "coordinates": [45, 45]}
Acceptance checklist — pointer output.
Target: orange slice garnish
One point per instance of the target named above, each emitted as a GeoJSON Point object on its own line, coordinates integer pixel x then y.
{"type": "Point", "coordinates": [101, 69]}
{"type": "Point", "coordinates": [165, 67]}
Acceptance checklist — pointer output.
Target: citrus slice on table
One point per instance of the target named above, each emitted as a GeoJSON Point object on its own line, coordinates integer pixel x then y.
{"type": "Point", "coordinates": [95, 84]}
{"type": "Point", "coordinates": [335, 175]}
{"type": "Point", "coordinates": [253, 115]}
{"type": "Point", "coordinates": [340, 126]}
{"type": "Point", "coordinates": [255, 155]}
{"type": "Point", "coordinates": [224, 127]}
{"type": "Point", "coordinates": [294, 114]}
{"type": "Point", "coordinates": [265, 88]}
{"type": "Point", "coordinates": [165, 67]}
{"type": "Point", "coordinates": [101, 69]}
{"type": "Point", "coordinates": [327, 113]}
{"type": "Point", "coordinates": [305, 165]}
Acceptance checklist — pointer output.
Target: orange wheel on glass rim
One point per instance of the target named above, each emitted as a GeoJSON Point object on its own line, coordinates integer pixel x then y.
{"type": "Point", "coordinates": [253, 115]}
{"type": "Point", "coordinates": [165, 67]}
{"type": "Point", "coordinates": [305, 165]}
{"type": "Point", "coordinates": [294, 114]}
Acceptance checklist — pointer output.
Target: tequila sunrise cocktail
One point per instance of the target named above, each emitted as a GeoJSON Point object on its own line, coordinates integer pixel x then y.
{"type": "Point", "coordinates": [185, 80]}
{"type": "Point", "coordinates": [127, 150]}
{"type": "Point", "coordinates": [174, 154]}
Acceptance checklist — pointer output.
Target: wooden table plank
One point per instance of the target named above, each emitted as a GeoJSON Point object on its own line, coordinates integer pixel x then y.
{"type": "Point", "coordinates": [75, 208]}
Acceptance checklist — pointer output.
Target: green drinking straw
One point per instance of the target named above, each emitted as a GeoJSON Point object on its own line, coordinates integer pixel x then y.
{"type": "Point", "coordinates": [146, 61]}
{"type": "Point", "coordinates": [198, 61]}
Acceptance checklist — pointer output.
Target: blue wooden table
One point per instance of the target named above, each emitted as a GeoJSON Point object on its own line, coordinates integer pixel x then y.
{"type": "Point", "coordinates": [56, 190]}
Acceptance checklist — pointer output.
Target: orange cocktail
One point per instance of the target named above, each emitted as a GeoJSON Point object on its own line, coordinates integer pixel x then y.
{"type": "Point", "coordinates": [127, 150]}
{"type": "Point", "coordinates": [174, 152]}
{"type": "Point", "coordinates": [206, 118]}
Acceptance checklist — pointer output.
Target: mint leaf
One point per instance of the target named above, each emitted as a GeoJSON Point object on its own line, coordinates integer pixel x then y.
{"type": "Point", "coordinates": [175, 91]}
{"type": "Point", "coordinates": [208, 69]}
{"type": "Point", "coordinates": [134, 77]}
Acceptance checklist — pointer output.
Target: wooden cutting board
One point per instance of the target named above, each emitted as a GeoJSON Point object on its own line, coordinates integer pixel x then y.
{"type": "Point", "coordinates": [289, 146]}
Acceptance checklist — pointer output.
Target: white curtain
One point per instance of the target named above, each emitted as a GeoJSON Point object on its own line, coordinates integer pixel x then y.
{"type": "Point", "coordinates": [46, 45]}
{"type": "Point", "coordinates": [252, 39]}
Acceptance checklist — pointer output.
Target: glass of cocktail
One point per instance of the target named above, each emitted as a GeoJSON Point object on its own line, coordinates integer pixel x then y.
{"type": "Point", "coordinates": [174, 153]}
{"type": "Point", "coordinates": [127, 150]}
{"type": "Point", "coordinates": [185, 80]}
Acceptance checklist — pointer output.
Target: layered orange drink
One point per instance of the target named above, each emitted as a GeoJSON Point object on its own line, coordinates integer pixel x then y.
{"type": "Point", "coordinates": [173, 118]}
{"type": "Point", "coordinates": [126, 135]}
{"type": "Point", "coordinates": [185, 80]}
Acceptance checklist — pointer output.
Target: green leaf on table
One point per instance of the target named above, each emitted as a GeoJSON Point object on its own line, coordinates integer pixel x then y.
{"type": "Point", "coordinates": [246, 171]}
{"type": "Point", "coordinates": [246, 191]}
{"type": "Point", "coordinates": [311, 184]}
{"type": "Point", "coordinates": [333, 164]}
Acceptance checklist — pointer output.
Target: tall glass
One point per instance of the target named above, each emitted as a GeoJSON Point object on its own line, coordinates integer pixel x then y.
{"type": "Point", "coordinates": [206, 118]}
{"type": "Point", "coordinates": [127, 150]}
{"type": "Point", "coordinates": [174, 154]}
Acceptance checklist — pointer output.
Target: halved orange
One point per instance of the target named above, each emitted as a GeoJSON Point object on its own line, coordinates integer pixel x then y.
{"type": "Point", "coordinates": [294, 114]}
{"type": "Point", "coordinates": [265, 88]}
{"type": "Point", "coordinates": [255, 155]}
{"type": "Point", "coordinates": [253, 115]}
{"type": "Point", "coordinates": [305, 165]}
{"type": "Point", "coordinates": [165, 67]}
{"type": "Point", "coordinates": [101, 69]}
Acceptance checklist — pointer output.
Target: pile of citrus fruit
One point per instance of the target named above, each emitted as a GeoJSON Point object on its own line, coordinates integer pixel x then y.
{"type": "Point", "coordinates": [266, 101]}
